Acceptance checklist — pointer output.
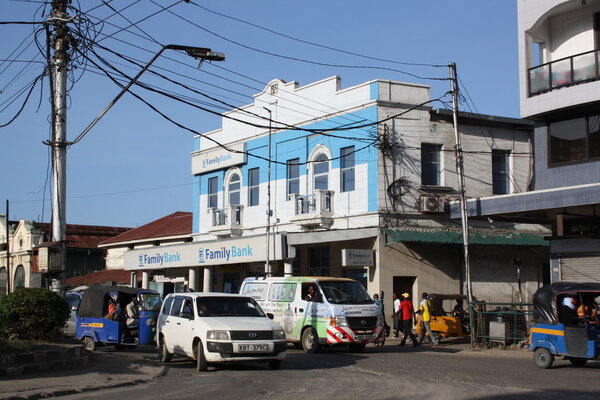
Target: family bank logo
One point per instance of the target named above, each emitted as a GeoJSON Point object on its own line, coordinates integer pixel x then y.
{"type": "Point", "coordinates": [209, 162]}
{"type": "Point", "coordinates": [159, 258]}
{"type": "Point", "coordinates": [224, 253]}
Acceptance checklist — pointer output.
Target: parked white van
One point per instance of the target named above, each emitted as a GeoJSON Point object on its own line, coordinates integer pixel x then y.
{"type": "Point", "coordinates": [218, 328]}
{"type": "Point", "coordinates": [340, 312]}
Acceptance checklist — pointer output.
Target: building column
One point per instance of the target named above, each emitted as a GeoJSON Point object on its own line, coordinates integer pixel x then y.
{"type": "Point", "coordinates": [193, 279]}
{"type": "Point", "coordinates": [207, 279]}
{"type": "Point", "coordinates": [287, 269]}
{"type": "Point", "coordinates": [145, 280]}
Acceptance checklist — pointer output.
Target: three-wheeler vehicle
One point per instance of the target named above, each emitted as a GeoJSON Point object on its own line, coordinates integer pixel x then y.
{"type": "Point", "coordinates": [99, 324]}
{"type": "Point", "coordinates": [550, 337]}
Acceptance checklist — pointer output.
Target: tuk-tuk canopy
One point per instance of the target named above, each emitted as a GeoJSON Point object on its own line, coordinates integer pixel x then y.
{"type": "Point", "coordinates": [545, 302]}
{"type": "Point", "coordinates": [94, 299]}
{"type": "Point", "coordinates": [437, 302]}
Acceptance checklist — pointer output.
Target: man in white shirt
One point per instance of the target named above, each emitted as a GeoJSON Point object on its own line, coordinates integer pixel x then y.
{"type": "Point", "coordinates": [395, 316]}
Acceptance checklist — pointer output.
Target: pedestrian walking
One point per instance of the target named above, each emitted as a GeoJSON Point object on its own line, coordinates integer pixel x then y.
{"type": "Point", "coordinates": [395, 315]}
{"type": "Point", "coordinates": [379, 304]}
{"type": "Point", "coordinates": [407, 313]}
{"type": "Point", "coordinates": [425, 309]}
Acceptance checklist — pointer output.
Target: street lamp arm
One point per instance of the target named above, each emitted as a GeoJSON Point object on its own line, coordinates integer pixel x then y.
{"type": "Point", "coordinates": [196, 52]}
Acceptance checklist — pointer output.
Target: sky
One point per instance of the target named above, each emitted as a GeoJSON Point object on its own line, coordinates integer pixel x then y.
{"type": "Point", "coordinates": [134, 166]}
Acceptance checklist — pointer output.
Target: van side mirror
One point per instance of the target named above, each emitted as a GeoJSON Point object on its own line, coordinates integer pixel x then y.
{"type": "Point", "coordinates": [270, 315]}
{"type": "Point", "coordinates": [381, 293]}
{"type": "Point", "coordinates": [186, 315]}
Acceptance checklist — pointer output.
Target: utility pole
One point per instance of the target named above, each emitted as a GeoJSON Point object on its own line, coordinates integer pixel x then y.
{"type": "Point", "coordinates": [7, 250]}
{"type": "Point", "coordinates": [267, 263]}
{"type": "Point", "coordinates": [59, 18]}
{"type": "Point", "coordinates": [461, 181]}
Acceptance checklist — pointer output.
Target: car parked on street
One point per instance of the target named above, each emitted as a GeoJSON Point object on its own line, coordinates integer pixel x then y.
{"type": "Point", "coordinates": [218, 328]}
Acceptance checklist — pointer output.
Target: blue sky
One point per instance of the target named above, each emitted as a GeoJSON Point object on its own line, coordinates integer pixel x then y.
{"type": "Point", "coordinates": [134, 166]}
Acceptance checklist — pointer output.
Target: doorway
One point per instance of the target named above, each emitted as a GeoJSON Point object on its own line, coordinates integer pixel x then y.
{"type": "Point", "coordinates": [404, 284]}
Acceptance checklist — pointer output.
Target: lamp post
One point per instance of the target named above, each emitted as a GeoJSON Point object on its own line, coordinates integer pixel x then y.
{"type": "Point", "coordinates": [267, 263]}
{"type": "Point", "coordinates": [59, 143]}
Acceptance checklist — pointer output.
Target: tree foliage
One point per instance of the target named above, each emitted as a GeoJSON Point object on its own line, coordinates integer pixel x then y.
{"type": "Point", "coordinates": [32, 314]}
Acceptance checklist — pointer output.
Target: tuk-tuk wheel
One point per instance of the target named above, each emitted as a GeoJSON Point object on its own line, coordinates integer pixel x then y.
{"type": "Point", "coordinates": [543, 358]}
{"type": "Point", "coordinates": [89, 344]}
{"type": "Point", "coordinates": [578, 362]}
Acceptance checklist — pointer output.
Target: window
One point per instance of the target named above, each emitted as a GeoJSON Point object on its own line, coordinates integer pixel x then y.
{"type": "Point", "coordinates": [234, 189]}
{"type": "Point", "coordinates": [3, 288]}
{"type": "Point", "coordinates": [320, 172]}
{"type": "Point", "coordinates": [19, 281]}
{"type": "Point", "coordinates": [430, 164]}
{"type": "Point", "coordinates": [574, 140]}
{"type": "Point", "coordinates": [500, 172]}
{"type": "Point", "coordinates": [213, 192]}
{"type": "Point", "coordinates": [293, 176]}
{"type": "Point", "coordinates": [347, 169]}
{"type": "Point", "coordinates": [319, 261]}
{"type": "Point", "coordinates": [253, 188]}
{"type": "Point", "coordinates": [176, 306]}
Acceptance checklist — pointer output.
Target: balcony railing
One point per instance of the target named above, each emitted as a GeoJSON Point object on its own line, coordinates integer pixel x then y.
{"type": "Point", "coordinates": [313, 209]}
{"type": "Point", "coordinates": [567, 71]}
{"type": "Point", "coordinates": [227, 220]}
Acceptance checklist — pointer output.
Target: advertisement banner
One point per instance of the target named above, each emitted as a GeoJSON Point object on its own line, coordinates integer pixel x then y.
{"type": "Point", "coordinates": [217, 158]}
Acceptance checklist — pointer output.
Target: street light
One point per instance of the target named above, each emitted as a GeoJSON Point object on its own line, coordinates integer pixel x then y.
{"type": "Point", "coordinates": [59, 143]}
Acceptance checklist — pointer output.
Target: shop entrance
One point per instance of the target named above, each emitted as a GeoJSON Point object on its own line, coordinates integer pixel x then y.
{"type": "Point", "coordinates": [404, 284]}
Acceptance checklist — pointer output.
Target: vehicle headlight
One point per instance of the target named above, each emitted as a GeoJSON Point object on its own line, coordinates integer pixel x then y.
{"type": "Point", "coordinates": [338, 321]}
{"type": "Point", "coordinates": [277, 335]}
{"type": "Point", "coordinates": [380, 320]}
{"type": "Point", "coordinates": [217, 335]}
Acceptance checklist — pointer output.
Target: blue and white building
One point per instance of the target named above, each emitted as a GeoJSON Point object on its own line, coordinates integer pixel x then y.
{"type": "Point", "coordinates": [559, 54]}
{"type": "Point", "coordinates": [353, 182]}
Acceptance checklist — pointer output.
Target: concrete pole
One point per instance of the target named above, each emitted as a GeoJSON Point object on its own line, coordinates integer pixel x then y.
{"type": "Point", "coordinates": [287, 269]}
{"type": "Point", "coordinates": [267, 263]}
{"type": "Point", "coordinates": [193, 278]}
{"type": "Point", "coordinates": [207, 279]}
{"type": "Point", "coordinates": [145, 280]}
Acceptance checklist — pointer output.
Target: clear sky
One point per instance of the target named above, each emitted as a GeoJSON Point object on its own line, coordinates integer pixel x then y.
{"type": "Point", "coordinates": [135, 166]}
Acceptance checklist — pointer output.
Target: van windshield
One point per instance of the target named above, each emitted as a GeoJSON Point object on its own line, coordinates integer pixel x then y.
{"type": "Point", "coordinates": [345, 292]}
{"type": "Point", "coordinates": [228, 307]}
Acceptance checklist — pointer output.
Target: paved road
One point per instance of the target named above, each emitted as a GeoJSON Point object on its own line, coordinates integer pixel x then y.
{"type": "Point", "coordinates": [391, 372]}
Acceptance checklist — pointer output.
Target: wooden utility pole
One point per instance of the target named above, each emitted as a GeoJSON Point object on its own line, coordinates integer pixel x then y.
{"type": "Point", "coordinates": [461, 181]}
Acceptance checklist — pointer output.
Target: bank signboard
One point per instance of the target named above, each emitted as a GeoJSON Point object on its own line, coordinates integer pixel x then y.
{"type": "Point", "coordinates": [197, 254]}
{"type": "Point", "coordinates": [357, 257]}
{"type": "Point", "coordinates": [218, 158]}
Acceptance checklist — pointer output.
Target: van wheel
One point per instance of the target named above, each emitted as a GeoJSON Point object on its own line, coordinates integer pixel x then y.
{"type": "Point", "coordinates": [275, 364]}
{"type": "Point", "coordinates": [310, 340]}
{"type": "Point", "coordinates": [542, 358]}
{"type": "Point", "coordinates": [89, 344]}
{"type": "Point", "coordinates": [163, 354]}
{"type": "Point", "coordinates": [578, 362]}
{"type": "Point", "coordinates": [201, 364]}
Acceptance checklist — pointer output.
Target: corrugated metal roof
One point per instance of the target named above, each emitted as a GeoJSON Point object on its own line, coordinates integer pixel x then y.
{"type": "Point", "coordinates": [176, 224]}
{"type": "Point", "coordinates": [119, 276]}
{"type": "Point", "coordinates": [445, 236]}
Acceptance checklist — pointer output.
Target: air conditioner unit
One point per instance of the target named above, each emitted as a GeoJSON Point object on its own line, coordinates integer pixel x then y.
{"type": "Point", "coordinates": [432, 204]}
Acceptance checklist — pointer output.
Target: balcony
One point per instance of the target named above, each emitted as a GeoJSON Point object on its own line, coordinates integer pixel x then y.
{"type": "Point", "coordinates": [313, 211]}
{"type": "Point", "coordinates": [569, 71]}
{"type": "Point", "coordinates": [226, 222]}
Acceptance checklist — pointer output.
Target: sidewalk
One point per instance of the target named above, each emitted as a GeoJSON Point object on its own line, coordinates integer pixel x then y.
{"type": "Point", "coordinates": [103, 370]}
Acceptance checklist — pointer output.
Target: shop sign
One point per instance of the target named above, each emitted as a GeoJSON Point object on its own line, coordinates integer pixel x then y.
{"type": "Point", "coordinates": [218, 158]}
{"type": "Point", "coordinates": [234, 251]}
{"type": "Point", "coordinates": [357, 257]}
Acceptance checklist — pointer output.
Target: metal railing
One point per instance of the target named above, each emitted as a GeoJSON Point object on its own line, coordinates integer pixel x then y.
{"type": "Point", "coordinates": [222, 217]}
{"type": "Point", "coordinates": [504, 324]}
{"type": "Point", "coordinates": [567, 71]}
{"type": "Point", "coordinates": [318, 202]}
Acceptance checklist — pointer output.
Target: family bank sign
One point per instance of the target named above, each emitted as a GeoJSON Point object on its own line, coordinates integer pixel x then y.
{"type": "Point", "coordinates": [199, 254]}
{"type": "Point", "coordinates": [218, 158]}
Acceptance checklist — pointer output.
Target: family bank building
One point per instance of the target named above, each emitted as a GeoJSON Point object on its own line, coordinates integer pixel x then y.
{"type": "Point", "coordinates": [350, 182]}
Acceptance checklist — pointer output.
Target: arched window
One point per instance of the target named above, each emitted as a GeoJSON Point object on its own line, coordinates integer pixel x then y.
{"type": "Point", "coordinates": [3, 276]}
{"type": "Point", "coordinates": [321, 172]}
{"type": "Point", "coordinates": [234, 189]}
{"type": "Point", "coordinates": [19, 281]}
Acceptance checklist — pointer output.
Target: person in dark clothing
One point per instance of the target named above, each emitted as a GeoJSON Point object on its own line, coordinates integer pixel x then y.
{"type": "Point", "coordinates": [567, 312]}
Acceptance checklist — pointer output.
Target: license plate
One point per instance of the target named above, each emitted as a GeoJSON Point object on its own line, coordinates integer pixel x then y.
{"type": "Point", "coordinates": [363, 337]}
{"type": "Point", "coordinates": [253, 348]}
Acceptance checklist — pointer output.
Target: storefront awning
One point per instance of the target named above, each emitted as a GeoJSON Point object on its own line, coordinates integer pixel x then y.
{"type": "Point", "coordinates": [444, 236]}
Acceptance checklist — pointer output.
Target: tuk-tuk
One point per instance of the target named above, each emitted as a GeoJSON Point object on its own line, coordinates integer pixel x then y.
{"type": "Point", "coordinates": [577, 340]}
{"type": "Point", "coordinates": [96, 324]}
{"type": "Point", "coordinates": [446, 319]}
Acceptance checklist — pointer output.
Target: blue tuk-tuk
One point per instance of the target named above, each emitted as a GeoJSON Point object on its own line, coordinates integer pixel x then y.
{"type": "Point", "coordinates": [98, 324]}
{"type": "Point", "coordinates": [578, 339]}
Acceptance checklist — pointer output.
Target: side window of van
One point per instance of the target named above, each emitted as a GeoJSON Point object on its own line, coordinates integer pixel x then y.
{"type": "Point", "coordinates": [188, 309]}
{"type": "Point", "coordinates": [256, 290]}
{"type": "Point", "coordinates": [176, 307]}
{"type": "Point", "coordinates": [282, 292]}
{"type": "Point", "coordinates": [167, 306]}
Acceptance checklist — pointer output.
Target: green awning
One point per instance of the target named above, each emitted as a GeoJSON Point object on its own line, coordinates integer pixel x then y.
{"type": "Point", "coordinates": [444, 236]}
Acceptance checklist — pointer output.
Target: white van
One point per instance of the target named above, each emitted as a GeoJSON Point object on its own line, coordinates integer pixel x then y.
{"type": "Point", "coordinates": [341, 312]}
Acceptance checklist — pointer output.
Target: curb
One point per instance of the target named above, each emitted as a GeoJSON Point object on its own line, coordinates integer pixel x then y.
{"type": "Point", "coordinates": [59, 357]}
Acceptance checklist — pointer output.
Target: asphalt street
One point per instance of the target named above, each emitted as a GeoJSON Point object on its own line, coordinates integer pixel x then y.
{"type": "Point", "coordinates": [453, 371]}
